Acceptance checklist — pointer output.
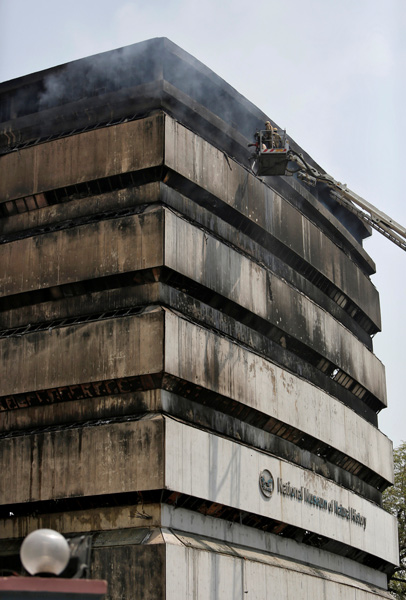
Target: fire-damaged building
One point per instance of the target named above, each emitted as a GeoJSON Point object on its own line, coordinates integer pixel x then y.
{"type": "Point", "coordinates": [188, 377]}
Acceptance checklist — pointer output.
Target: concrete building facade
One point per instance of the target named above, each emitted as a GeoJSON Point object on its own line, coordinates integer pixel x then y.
{"type": "Point", "coordinates": [188, 374]}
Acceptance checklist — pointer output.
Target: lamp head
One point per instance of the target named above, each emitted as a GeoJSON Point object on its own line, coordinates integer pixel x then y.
{"type": "Point", "coordinates": [45, 551]}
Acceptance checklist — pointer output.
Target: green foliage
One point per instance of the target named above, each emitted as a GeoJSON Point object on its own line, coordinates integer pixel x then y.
{"type": "Point", "coordinates": [394, 501]}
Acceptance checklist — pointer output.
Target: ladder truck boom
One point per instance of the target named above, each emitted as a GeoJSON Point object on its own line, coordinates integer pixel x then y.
{"type": "Point", "coordinates": [377, 219]}
{"type": "Point", "coordinates": [273, 156]}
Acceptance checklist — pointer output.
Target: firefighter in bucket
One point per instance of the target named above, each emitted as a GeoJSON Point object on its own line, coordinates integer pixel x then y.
{"type": "Point", "coordinates": [271, 152]}
{"type": "Point", "coordinates": [271, 137]}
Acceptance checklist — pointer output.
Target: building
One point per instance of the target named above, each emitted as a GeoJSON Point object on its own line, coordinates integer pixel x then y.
{"type": "Point", "coordinates": [186, 349]}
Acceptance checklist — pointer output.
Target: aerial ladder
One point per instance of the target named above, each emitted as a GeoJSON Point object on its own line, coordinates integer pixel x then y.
{"type": "Point", "coordinates": [273, 156]}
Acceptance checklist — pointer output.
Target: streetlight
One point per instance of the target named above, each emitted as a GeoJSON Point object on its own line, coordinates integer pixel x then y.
{"type": "Point", "coordinates": [45, 552]}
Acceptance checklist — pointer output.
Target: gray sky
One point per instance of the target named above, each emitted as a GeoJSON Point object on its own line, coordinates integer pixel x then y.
{"type": "Point", "coordinates": [331, 71]}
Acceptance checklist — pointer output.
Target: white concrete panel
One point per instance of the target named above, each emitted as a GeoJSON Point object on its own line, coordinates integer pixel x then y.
{"type": "Point", "coordinates": [207, 466]}
{"type": "Point", "coordinates": [204, 358]}
{"type": "Point", "coordinates": [203, 258]}
{"type": "Point", "coordinates": [234, 534]}
{"type": "Point", "coordinates": [199, 575]}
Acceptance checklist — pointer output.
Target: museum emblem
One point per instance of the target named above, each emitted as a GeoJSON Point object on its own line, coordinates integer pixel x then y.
{"type": "Point", "coordinates": [266, 483]}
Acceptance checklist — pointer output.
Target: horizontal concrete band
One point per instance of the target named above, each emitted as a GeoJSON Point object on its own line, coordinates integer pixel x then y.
{"type": "Point", "coordinates": [231, 233]}
{"type": "Point", "coordinates": [206, 359]}
{"type": "Point", "coordinates": [84, 157]}
{"type": "Point", "coordinates": [197, 573]}
{"type": "Point", "coordinates": [112, 523]}
{"type": "Point", "coordinates": [213, 534]}
{"type": "Point", "coordinates": [139, 145]}
{"type": "Point", "coordinates": [55, 214]}
{"type": "Point", "coordinates": [169, 564]}
{"type": "Point", "coordinates": [86, 252]}
{"type": "Point", "coordinates": [95, 351]}
{"type": "Point", "coordinates": [209, 168]}
{"type": "Point", "coordinates": [202, 258]}
{"type": "Point", "coordinates": [204, 465]}
{"type": "Point", "coordinates": [160, 341]}
{"type": "Point", "coordinates": [145, 455]}
{"type": "Point", "coordinates": [113, 399]}
{"type": "Point", "coordinates": [51, 314]}
{"type": "Point", "coordinates": [142, 241]}
{"type": "Point", "coordinates": [83, 461]}
{"type": "Point", "coordinates": [88, 402]}
{"type": "Point", "coordinates": [76, 211]}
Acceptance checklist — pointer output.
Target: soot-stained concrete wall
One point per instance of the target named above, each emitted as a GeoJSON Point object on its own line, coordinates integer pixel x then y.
{"type": "Point", "coordinates": [160, 342]}
{"type": "Point", "coordinates": [133, 243]}
{"type": "Point", "coordinates": [169, 326]}
{"type": "Point", "coordinates": [84, 461]}
{"type": "Point", "coordinates": [139, 145]}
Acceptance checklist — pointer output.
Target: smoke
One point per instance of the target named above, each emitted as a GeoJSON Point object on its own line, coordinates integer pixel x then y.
{"type": "Point", "coordinates": [179, 84]}
{"type": "Point", "coordinates": [124, 68]}
{"type": "Point", "coordinates": [81, 79]}
{"type": "Point", "coordinates": [100, 74]}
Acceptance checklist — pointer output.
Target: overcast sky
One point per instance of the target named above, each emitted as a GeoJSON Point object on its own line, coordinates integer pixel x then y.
{"type": "Point", "coordinates": [332, 72]}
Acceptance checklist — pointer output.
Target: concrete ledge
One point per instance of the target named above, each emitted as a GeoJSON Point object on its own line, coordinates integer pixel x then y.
{"type": "Point", "coordinates": [205, 359]}
{"type": "Point", "coordinates": [206, 166]}
{"type": "Point", "coordinates": [220, 420]}
{"type": "Point", "coordinates": [255, 575]}
{"type": "Point", "coordinates": [84, 461]}
{"type": "Point", "coordinates": [160, 342]}
{"type": "Point", "coordinates": [84, 157]}
{"type": "Point", "coordinates": [204, 259]}
{"type": "Point", "coordinates": [90, 352]}
{"type": "Point", "coordinates": [144, 455]}
{"type": "Point", "coordinates": [86, 252]}
{"type": "Point", "coordinates": [137, 242]}
{"type": "Point", "coordinates": [32, 223]}
{"type": "Point", "coordinates": [215, 530]}
{"type": "Point", "coordinates": [81, 207]}
{"type": "Point", "coordinates": [105, 518]}
{"type": "Point", "coordinates": [144, 143]}
{"type": "Point", "coordinates": [204, 465]}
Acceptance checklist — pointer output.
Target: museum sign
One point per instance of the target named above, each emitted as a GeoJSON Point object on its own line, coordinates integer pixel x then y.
{"type": "Point", "coordinates": [305, 496]}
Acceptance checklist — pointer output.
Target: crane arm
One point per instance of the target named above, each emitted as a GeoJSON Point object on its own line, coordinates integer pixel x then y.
{"type": "Point", "coordinates": [356, 204]}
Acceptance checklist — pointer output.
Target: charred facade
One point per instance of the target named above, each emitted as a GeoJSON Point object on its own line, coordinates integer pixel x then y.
{"type": "Point", "coordinates": [188, 371]}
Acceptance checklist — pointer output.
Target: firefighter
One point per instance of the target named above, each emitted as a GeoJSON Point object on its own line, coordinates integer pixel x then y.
{"type": "Point", "coordinates": [277, 138]}
{"type": "Point", "coordinates": [272, 137]}
{"type": "Point", "coordinates": [268, 136]}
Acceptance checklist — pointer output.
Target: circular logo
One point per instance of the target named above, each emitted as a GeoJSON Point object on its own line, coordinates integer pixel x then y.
{"type": "Point", "coordinates": [266, 483]}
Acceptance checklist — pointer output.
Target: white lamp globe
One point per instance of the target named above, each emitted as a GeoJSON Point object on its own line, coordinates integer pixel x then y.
{"type": "Point", "coordinates": [45, 551]}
